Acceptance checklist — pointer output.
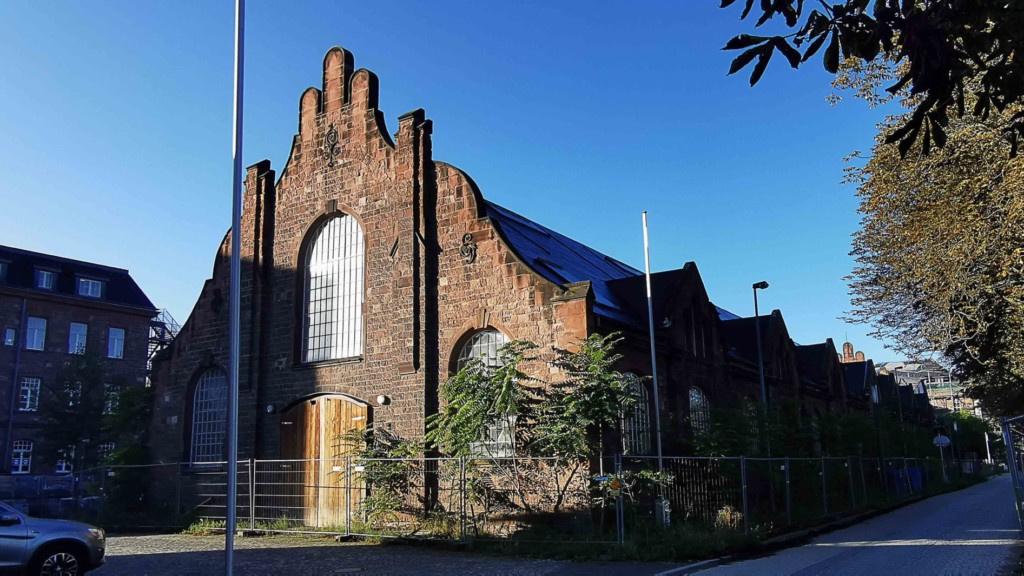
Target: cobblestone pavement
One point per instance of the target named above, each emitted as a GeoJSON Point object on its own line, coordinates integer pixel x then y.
{"type": "Point", "coordinates": [972, 531]}
{"type": "Point", "coordinates": [182, 555]}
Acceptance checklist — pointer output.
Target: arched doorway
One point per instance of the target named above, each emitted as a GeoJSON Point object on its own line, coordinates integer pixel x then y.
{"type": "Point", "coordinates": [310, 432]}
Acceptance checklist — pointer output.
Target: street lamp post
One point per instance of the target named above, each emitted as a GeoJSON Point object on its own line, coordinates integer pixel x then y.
{"type": "Point", "coordinates": [762, 285]}
{"type": "Point", "coordinates": [883, 472]}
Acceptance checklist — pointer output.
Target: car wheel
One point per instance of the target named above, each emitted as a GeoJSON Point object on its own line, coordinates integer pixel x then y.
{"type": "Point", "coordinates": [59, 562]}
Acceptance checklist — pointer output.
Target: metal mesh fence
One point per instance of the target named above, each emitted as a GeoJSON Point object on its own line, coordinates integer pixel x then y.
{"type": "Point", "coordinates": [491, 498]}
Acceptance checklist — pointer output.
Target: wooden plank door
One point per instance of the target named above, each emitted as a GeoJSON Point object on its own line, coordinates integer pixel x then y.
{"type": "Point", "coordinates": [340, 491]}
{"type": "Point", "coordinates": [300, 443]}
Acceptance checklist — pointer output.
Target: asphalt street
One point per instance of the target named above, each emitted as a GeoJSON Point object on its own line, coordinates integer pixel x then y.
{"type": "Point", "coordinates": [972, 531]}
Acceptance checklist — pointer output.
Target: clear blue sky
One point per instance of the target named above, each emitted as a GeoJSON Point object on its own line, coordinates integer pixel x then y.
{"type": "Point", "coordinates": [115, 133]}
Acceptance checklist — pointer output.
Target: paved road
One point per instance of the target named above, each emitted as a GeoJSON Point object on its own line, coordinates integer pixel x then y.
{"type": "Point", "coordinates": [180, 555]}
{"type": "Point", "coordinates": [973, 531]}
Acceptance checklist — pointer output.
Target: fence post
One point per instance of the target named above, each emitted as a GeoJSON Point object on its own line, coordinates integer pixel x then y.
{"type": "Point", "coordinates": [906, 477]}
{"type": "Point", "coordinates": [620, 515]}
{"type": "Point", "coordinates": [252, 494]}
{"type": "Point", "coordinates": [824, 487]}
{"type": "Point", "coordinates": [463, 533]}
{"type": "Point", "coordinates": [348, 496]}
{"type": "Point", "coordinates": [863, 483]}
{"type": "Point", "coordinates": [789, 495]}
{"type": "Point", "coordinates": [743, 484]}
{"type": "Point", "coordinates": [849, 474]}
{"type": "Point", "coordinates": [177, 495]}
{"type": "Point", "coordinates": [103, 492]}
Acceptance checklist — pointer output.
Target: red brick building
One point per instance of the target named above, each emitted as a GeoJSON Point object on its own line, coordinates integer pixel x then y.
{"type": "Point", "coordinates": [370, 270]}
{"type": "Point", "coordinates": [51, 307]}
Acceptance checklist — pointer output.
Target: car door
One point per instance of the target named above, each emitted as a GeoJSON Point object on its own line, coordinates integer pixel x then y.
{"type": "Point", "coordinates": [13, 540]}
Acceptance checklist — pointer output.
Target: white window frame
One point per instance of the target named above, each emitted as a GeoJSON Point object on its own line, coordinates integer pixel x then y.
{"type": "Point", "coordinates": [115, 344]}
{"type": "Point", "coordinates": [10, 337]}
{"type": "Point", "coordinates": [111, 399]}
{"type": "Point", "coordinates": [636, 423]}
{"type": "Point", "coordinates": [700, 411]}
{"type": "Point", "coordinates": [21, 457]}
{"type": "Point", "coordinates": [28, 394]}
{"type": "Point", "coordinates": [74, 394]}
{"type": "Point", "coordinates": [35, 336]}
{"type": "Point", "coordinates": [89, 287]}
{"type": "Point", "coordinates": [498, 439]}
{"type": "Point", "coordinates": [333, 291]}
{"type": "Point", "coordinates": [66, 462]}
{"type": "Point", "coordinates": [209, 417]}
{"type": "Point", "coordinates": [44, 279]}
{"type": "Point", "coordinates": [103, 451]}
{"type": "Point", "coordinates": [78, 337]}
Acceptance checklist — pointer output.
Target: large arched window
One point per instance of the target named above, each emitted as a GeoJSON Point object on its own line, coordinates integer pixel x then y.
{"type": "Point", "coordinates": [499, 437]}
{"type": "Point", "coordinates": [636, 422]}
{"type": "Point", "coordinates": [333, 319]}
{"type": "Point", "coordinates": [700, 411]}
{"type": "Point", "coordinates": [209, 417]}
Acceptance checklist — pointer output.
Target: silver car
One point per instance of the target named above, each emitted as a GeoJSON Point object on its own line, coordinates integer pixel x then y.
{"type": "Point", "coordinates": [43, 547]}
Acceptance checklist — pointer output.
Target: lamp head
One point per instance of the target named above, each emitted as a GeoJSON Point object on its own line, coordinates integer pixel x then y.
{"type": "Point", "coordinates": [762, 285]}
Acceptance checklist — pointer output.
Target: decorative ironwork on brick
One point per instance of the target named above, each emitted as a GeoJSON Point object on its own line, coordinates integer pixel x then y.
{"type": "Point", "coordinates": [468, 249]}
{"type": "Point", "coordinates": [332, 147]}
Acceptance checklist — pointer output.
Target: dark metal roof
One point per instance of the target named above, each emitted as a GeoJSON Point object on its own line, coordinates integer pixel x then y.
{"type": "Point", "coordinates": [813, 360]}
{"type": "Point", "coordinates": [740, 337]}
{"type": "Point", "coordinates": [119, 287]}
{"type": "Point", "coordinates": [856, 375]}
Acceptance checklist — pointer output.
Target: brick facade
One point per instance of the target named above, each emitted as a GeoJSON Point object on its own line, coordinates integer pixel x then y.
{"type": "Point", "coordinates": [439, 265]}
{"type": "Point", "coordinates": [60, 307]}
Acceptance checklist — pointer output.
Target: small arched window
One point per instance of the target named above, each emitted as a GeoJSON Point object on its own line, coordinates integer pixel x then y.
{"type": "Point", "coordinates": [700, 411]}
{"type": "Point", "coordinates": [209, 417]}
{"type": "Point", "coordinates": [333, 313]}
{"type": "Point", "coordinates": [483, 346]}
{"type": "Point", "coordinates": [498, 439]}
{"type": "Point", "coordinates": [636, 424]}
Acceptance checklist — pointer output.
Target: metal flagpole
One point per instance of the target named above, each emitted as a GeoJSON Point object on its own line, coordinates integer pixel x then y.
{"type": "Point", "coordinates": [654, 362]}
{"type": "Point", "coordinates": [661, 514]}
{"type": "Point", "coordinates": [235, 296]}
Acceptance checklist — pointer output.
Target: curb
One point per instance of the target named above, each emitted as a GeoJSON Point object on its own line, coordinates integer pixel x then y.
{"type": "Point", "coordinates": [695, 567]}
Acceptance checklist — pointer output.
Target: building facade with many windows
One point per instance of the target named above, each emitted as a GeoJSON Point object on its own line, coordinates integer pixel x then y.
{"type": "Point", "coordinates": [52, 308]}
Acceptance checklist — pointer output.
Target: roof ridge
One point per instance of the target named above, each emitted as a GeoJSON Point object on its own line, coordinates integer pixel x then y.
{"type": "Point", "coordinates": [62, 258]}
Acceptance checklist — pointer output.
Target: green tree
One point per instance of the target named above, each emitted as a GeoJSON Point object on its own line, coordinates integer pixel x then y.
{"type": "Point", "coordinates": [952, 56]}
{"type": "Point", "coordinates": [940, 255]}
{"type": "Point", "coordinates": [77, 409]}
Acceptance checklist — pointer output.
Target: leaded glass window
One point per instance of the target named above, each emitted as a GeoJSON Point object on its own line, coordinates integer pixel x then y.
{"type": "Point", "coordinates": [499, 437]}
{"type": "Point", "coordinates": [333, 323]}
{"type": "Point", "coordinates": [636, 423]}
{"type": "Point", "coordinates": [21, 457]}
{"type": "Point", "coordinates": [700, 411]}
{"type": "Point", "coordinates": [209, 417]}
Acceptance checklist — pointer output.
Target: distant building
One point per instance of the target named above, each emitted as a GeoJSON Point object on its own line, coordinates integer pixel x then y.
{"type": "Point", "coordinates": [945, 392]}
{"type": "Point", "coordinates": [51, 307]}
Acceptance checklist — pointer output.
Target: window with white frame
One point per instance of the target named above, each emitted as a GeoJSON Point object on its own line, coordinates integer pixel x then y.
{"type": "Point", "coordinates": [636, 422]}
{"type": "Point", "coordinates": [700, 411]}
{"type": "Point", "coordinates": [10, 335]}
{"type": "Point", "coordinates": [65, 460]}
{"type": "Point", "coordinates": [77, 336]}
{"type": "Point", "coordinates": [103, 451]}
{"type": "Point", "coordinates": [209, 417]}
{"type": "Point", "coordinates": [35, 336]}
{"type": "Point", "coordinates": [333, 323]}
{"type": "Point", "coordinates": [498, 439]}
{"type": "Point", "coordinates": [89, 287]}
{"type": "Point", "coordinates": [111, 398]}
{"type": "Point", "coordinates": [44, 279]}
{"type": "Point", "coordinates": [115, 343]}
{"type": "Point", "coordinates": [21, 457]}
{"type": "Point", "coordinates": [73, 391]}
{"type": "Point", "coordinates": [28, 394]}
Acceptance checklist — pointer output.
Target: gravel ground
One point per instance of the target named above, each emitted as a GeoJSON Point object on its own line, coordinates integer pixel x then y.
{"type": "Point", "coordinates": [182, 555]}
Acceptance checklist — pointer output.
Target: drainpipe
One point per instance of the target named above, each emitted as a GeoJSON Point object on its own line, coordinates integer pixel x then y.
{"type": "Point", "coordinates": [18, 345]}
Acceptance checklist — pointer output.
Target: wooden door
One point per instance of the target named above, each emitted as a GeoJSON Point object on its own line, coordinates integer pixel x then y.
{"type": "Point", "coordinates": [310, 433]}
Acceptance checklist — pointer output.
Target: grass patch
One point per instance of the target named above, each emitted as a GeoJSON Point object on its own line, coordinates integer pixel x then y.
{"type": "Point", "coordinates": [204, 527]}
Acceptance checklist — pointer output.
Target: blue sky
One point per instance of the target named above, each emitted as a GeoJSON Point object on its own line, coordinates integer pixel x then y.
{"type": "Point", "coordinates": [115, 133]}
